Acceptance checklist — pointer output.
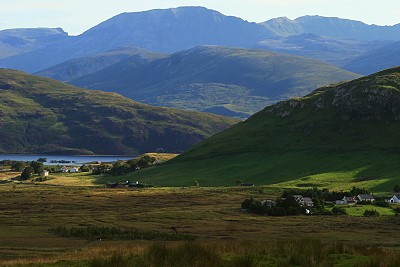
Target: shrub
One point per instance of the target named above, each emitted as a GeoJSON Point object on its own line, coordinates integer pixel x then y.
{"type": "Point", "coordinates": [18, 166]}
{"type": "Point", "coordinates": [371, 213]}
{"type": "Point", "coordinates": [339, 211]}
{"type": "Point", "coordinates": [27, 173]}
{"type": "Point", "coordinates": [381, 203]}
{"type": "Point", "coordinates": [85, 168]}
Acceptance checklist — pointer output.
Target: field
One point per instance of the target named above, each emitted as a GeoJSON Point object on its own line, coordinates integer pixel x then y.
{"type": "Point", "coordinates": [29, 211]}
{"type": "Point", "coordinates": [358, 210]}
{"type": "Point", "coordinates": [374, 170]}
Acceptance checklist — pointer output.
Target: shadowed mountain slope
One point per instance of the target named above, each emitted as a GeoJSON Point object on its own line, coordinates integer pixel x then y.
{"type": "Point", "coordinates": [40, 115]}
{"type": "Point", "coordinates": [216, 79]}
{"type": "Point", "coordinates": [338, 136]}
{"type": "Point", "coordinates": [376, 60]}
{"type": "Point", "coordinates": [75, 68]}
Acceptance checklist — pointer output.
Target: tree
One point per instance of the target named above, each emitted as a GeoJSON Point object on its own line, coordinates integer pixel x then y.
{"type": "Point", "coordinates": [18, 166]}
{"type": "Point", "coordinates": [396, 188]}
{"type": "Point", "coordinates": [120, 168]}
{"type": "Point", "coordinates": [42, 160]}
{"type": "Point", "coordinates": [371, 213]}
{"type": "Point", "coordinates": [27, 173]}
{"type": "Point", "coordinates": [85, 168]}
{"type": "Point", "coordinates": [339, 211]}
{"type": "Point", "coordinates": [37, 166]}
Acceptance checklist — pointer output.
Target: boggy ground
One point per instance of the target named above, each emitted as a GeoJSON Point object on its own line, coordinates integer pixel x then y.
{"type": "Point", "coordinates": [29, 211]}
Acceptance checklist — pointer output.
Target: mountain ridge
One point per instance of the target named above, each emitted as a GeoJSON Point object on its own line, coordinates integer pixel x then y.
{"type": "Point", "coordinates": [40, 115]}
{"type": "Point", "coordinates": [332, 26]}
{"type": "Point", "coordinates": [216, 79]}
{"type": "Point", "coordinates": [171, 30]}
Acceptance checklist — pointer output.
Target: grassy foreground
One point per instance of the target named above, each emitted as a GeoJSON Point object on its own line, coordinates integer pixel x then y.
{"type": "Point", "coordinates": [302, 252]}
{"type": "Point", "coordinates": [226, 235]}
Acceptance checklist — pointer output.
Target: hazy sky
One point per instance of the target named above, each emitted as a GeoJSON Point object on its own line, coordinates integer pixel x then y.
{"type": "Point", "coordinates": [76, 16]}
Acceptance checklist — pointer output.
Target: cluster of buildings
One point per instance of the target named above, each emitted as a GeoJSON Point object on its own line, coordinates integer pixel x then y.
{"type": "Point", "coordinates": [304, 201]}
{"type": "Point", "coordinates": [66, 169]}
{"type": "Point", "coordinates": [354, 200]}
{"type": "Point", "coordinates": [126, 184]}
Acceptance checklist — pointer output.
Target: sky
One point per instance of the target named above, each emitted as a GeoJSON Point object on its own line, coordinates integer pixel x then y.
{"type": "Point", "coordinates": [77, 16]}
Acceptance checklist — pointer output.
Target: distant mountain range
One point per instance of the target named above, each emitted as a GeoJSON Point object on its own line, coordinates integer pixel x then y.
{"type": "Point", "coordinates": [334, 50]}
{"type": "Point", "coordinates": [228, 81]}
{"type": "Point", "coordinates": [334, 27]}
{"type": "Point", "coordinates": [176, 29]}
{"type": "Point", "coordinates": [75, 68]}
{"type": "Point", "coordinates": [376, 60]}
{"type": "Point", "coordinates": [18, 41]}
{"type": "Point", "coordinates": [163, 30]}
{"type": "Point", "coordinates": [339, 134]}
{"type": "Point", "coordinates": [40, 115]}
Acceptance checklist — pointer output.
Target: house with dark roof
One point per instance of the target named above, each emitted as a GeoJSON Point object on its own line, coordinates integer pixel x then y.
{"type": "Point", "coordinates": [366, 198]}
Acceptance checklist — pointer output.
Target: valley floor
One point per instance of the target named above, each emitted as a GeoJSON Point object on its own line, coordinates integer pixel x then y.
{"type": "Point", "coordinates": [29, 211]}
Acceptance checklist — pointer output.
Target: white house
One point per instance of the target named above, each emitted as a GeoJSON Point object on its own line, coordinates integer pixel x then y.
{"type": "Point", "coordinates": [63, 169]}
{"type": "Point", "coordinates": [74, 169]}
{"type": "Point", "coordinates": [366, 197]}
{"type": "Point", "coordinates": [44, 174]}
{"type": "Point", "coordinates": [307, 201]}
{"type": "Point", "coordinates": [268, 202]}
{"type": "Point", "coordinates": [395, 199]}
{"type": "Point", "coordinates": [304, 201]}
{"type": "Point", "coordinates": [346, 201]}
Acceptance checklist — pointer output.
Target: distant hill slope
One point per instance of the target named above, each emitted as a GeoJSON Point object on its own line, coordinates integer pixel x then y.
{"type": "Point", "coordinates": [333, 50]}
{"type": "Point", "coordinates": [229, 81]}
{"type": "Point", "coordinates": [338, 136]}
{"type": "Point", "coordinates": [18, 41]}
{"type": "Point", "coordinates": [376, 60]}
{"type": "Point", "coordinates": [75, 68]}
{"type": "Point", "coordinates": [161, 30]}
{"type": "Point", "coordinates": [334, 27]}
{"type": "Point", "coordinates": [39, 115]}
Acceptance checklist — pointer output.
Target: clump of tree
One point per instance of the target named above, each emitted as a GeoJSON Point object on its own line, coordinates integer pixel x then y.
{"type": "Point", "coordinates": [124, 167]}
{"type": "Point", "coordinates": [371, 213]}
{"type": "Point", "coordinates": [397, 211]}
{"type": "Point", "coordinates": [339, 211]}
{"type": "Point", "coordinates": [18, 166]}
{"type": "Point", "coordinates": [283, 207]}
{"type": "Point", "coordinates": [27, 173]}
{"type": "Point", "coordinates": [102, 168]}
{"type": "Point", "coordinates": [14, 165]}
{"type": "Point", "coordinates": [37, 166]}
{"type": "Point", "coordinates": [34, 167]}
{"type": "Point", "coordinates": [42, 160]}
{"type": "Point", "coordinates": [85, 168]}
{"type": "Point", "coordinates": [324, 194]}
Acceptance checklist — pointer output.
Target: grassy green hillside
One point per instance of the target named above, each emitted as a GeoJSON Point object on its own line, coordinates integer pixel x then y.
{"type": "Point", "coordinates": [39, 115]}
{"type": "Point", "coordinates": [229, 81]}
{"type": "Point", "coordinates": [338, 136]}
